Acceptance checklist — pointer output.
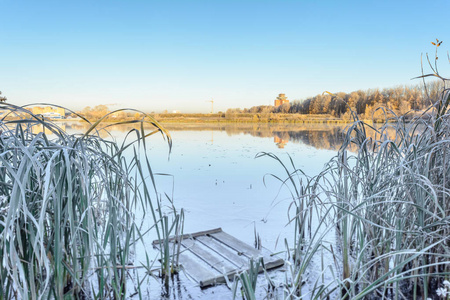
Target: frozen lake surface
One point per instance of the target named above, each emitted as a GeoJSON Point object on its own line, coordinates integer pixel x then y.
{"type": "Point", "coordinates": [216, 179]}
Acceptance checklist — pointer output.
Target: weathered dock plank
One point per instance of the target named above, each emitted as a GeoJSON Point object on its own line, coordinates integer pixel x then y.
{"type": "Point", "coordinates": [232, 255]}
{"type": "Point", "coordinates": [196, 268]}
{"type": "Point", "coordinates": [270, 260]}
{"type": "Point", "coordinates": [189, 235]}
{"type": "Point", "coordinates": [238, 245]}
{"type": "Point", "coordinates": [210, 256]}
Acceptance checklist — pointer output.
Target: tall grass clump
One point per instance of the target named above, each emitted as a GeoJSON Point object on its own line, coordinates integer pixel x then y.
{"type": "Point", "coordinates": [248, 279]}
{"type": "Point", "coordinates": [384, 200]}
{"type": "Point", "coordinates": [69, 208]}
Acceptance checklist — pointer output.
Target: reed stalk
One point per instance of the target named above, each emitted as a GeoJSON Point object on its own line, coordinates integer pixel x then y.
{"type": "Point", "coordinates": [385, 195]}
{"type": "Point", "coordinates": [68, 223]}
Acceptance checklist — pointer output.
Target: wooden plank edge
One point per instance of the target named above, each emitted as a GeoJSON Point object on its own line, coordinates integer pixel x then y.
{"type": "Point", "coordinates": [219, 279]}
{"type": "Point", "coordinates": [274, 264]}
{"type": "Point", "coordinates": [231, 243]}
{"type": "Point", "coordinates": [268, 255]}
{"type": "Point", "coordinates": [188, 235]}
{"type": "Point", "coordinates": [186, 265]}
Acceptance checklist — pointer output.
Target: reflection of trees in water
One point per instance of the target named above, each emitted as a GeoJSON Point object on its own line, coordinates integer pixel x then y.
{"type": "Point", "coordinates": [330, 138]}
{"type": "Point", "coordinates": [315, 135]}
{"type": "Point", "coordinates": [320, 136]}
{"type": "Point", "coordinates": [280, 142]}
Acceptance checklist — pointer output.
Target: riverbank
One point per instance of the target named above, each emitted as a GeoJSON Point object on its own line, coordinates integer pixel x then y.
{"type": "Point", "coordinates": [246, 118]}
{"type": "Point", "coordinates": [275, 118]}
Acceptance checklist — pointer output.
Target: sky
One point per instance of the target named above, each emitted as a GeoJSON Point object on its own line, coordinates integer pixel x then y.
{"type": "Point", "coordinates": [179, 55]}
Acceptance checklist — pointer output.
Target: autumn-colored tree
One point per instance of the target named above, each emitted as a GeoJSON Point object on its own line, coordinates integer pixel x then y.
{"type": "Point", "coordinates": [284, 108]}
{"type": "Point", "coordinates": [404, 108]}
{"type": "Point", "coordinates": [95, 113]}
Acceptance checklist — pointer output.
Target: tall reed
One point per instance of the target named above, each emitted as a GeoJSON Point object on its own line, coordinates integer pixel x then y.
{"type": "Point", "coordinates": [248, 279]}
{"type": "Point", "coordinates": [68, 208]}
{"type": "Point", "coordinates": [385, 196]}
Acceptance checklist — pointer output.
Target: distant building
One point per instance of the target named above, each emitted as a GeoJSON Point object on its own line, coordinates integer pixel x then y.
{"type": "Point", "coordinates": [281, 99]}
{"type": "Point", "coordinates": [52, 115]}
{"type": "Point", "coordinates": [49, 112]}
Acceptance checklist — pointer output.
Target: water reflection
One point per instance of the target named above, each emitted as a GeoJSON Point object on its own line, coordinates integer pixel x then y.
{"type": "Point", "coordinates": [319, 136]}
{"type": "Point", "coordinates": [280, 141]}
{"type": "Point", "coordinates": [219, 183]}
{"type": "Point", "coordinates": [38, 128]}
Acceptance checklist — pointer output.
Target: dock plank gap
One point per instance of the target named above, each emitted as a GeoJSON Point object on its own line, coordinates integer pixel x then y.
{"type": "Point", "coordinates": [208, 256]}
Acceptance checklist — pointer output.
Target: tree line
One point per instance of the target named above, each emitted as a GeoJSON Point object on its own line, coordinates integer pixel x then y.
{"type": "Point", "coordinates": [365, 103]}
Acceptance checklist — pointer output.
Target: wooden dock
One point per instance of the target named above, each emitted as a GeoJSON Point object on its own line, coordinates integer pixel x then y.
{"type": "Point", "coordinates": [209, 256]}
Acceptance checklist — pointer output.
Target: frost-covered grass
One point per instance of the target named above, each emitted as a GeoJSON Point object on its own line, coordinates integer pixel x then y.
{"type": "Point", "coordinates": [68, 208]}
{"type": "Point", "coordinates": [385, 196]}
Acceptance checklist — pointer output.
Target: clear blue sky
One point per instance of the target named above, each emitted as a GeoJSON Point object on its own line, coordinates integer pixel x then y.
{"type": "Point", "coordinates": [156, 55]}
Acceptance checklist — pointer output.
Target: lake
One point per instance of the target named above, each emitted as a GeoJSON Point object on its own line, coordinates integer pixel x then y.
{"type": "Point", "coordinates": [215, 177]}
